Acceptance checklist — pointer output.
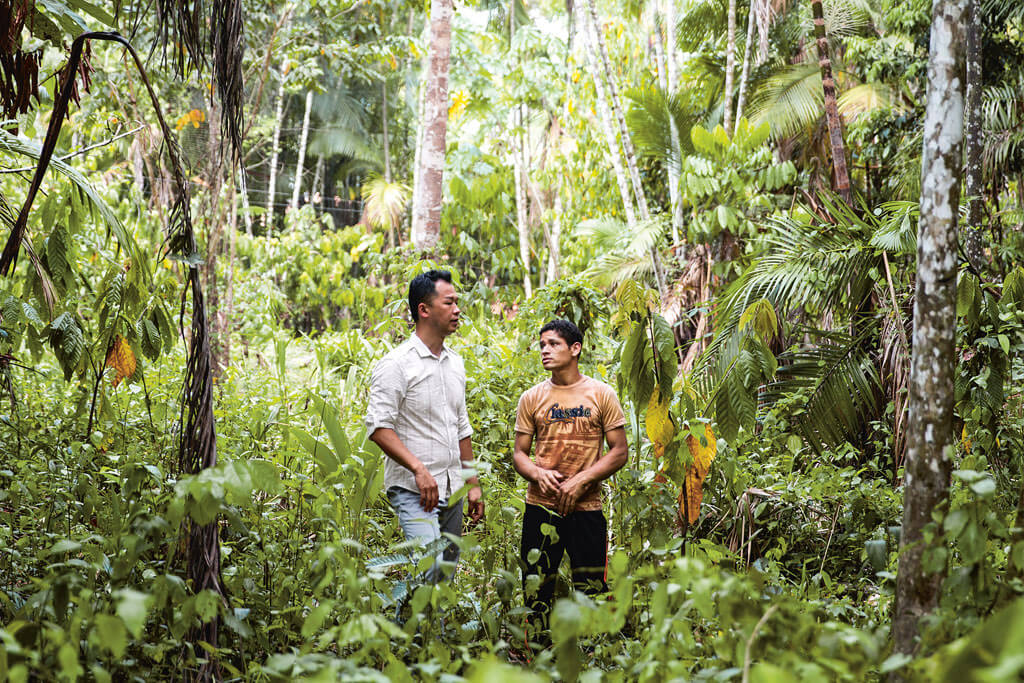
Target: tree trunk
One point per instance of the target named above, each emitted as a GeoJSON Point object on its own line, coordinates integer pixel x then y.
{"type": "Point", "coordinates": [730, 67]}
{"type": "Point", "coordinates": [522, 208]}
{"type": "Point", "coordinates": [426, 202]}
{"type": "Point", "coordinates": [384, 130]}
{"type": "Point", "coordinates": [929, 428]}
{"type": "Point", "coordinates": [670, 46]}
{"type": "Point", "coordinates": [604, 115]}
{"type": "Point", "coordinates": [245, 199]}
{"type": "Point", "coordinates": [828, 86]}
{"type": "Point", "coordinates": [627, 142]}
{"type": "Point", "coordinates": [318, 180]}
{"type": "Point", "coordinates": [741, 100]}
{"type": "Point", "coordinates": [303, 138]}
{"type": "Point", "coordinates": [657, 42]}
{"type": "Point", "coordinates": [974, 244]}
{"type": "Point", "coordinates": [275, 150]}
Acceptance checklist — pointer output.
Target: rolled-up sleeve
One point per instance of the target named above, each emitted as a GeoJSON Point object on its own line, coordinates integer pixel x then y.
{"type": "Point", "coordinates": [387, 388]}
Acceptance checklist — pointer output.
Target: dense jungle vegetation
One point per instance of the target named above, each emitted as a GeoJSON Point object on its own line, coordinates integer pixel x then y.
{"type": "Point", "coordinates": [791, 231]}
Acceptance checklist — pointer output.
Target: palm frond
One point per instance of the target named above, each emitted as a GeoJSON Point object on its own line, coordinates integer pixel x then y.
{"type": "Point", "coordinates": [841, 381]}
{"type": "Point", "coordinates": [866, 97]}
{"type": "Point", "coordinates": [659, 124]}
{"type": "Point", "coordinates": [791, 100]}
{"type": "Point", "coordinates": [897, 231]}
{"type": "Point", "coordinates": [385, 202]}
{"type": "Point", "coordinates": [703, 21]}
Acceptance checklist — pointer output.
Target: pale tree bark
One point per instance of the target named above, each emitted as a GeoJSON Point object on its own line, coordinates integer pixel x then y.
{"type": "Point", "coordinates": [522, 208]}
{"type": "Point", "coordinates": [275, 151]}
{"type": "Point", "coordinates": [974, 243]}
{"type": "Point", "coordinates": [318, 178]}
{"type": "Point", "coordinates": [675, 196]}
{"type": "Point", "coordinates": [384, 130]}
{"type": "Point", "coordinates": [670, 46]}
{"type": "Point", "coordinates": [933, 363]}
{"type": "Point", "coordinates": [605, 117]}
{"type": "Point", "coordinates": [657, 42]}
{"type": "Point", "coordinates": [748, 49]}
{"type": "Point", "coordinates": [245, 199]}
{"type": "Point", "coordinates": [828, 86]}
{"type": "Point", "coordinates": [426, 202]}
{"type": "Point", "coordinates": [730, 66]}
{"type": "Point", "coordinates": [627, 143]}
{"type": "Point", "coordinates": [303, 138]}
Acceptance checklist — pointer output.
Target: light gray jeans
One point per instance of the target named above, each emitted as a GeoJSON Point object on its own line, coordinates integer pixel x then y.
{"type": "Point", "coordinates": [426, 527]}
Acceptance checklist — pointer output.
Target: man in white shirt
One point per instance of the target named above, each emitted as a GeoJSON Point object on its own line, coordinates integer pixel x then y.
{"type": "Point", "coordinates": [417, 415]}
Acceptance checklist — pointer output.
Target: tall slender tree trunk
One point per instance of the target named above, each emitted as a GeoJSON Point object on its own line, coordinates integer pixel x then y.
{"type": "Point", "coordinates": [318, 178]}
{"type": "Point", "coordinates": [605, 117]}
{"type": "Point", "coordinates": [303, 138]}
{"type": "Point", "coordinates": [384, 129]}
{"type": "Point", "coordinates": [670, 46]}
{"type": "Point", "coordinates": [675, 196]}
{"type": "Point", "coordinates": [426, 202]}
{"type": "Point", "coordinates": [657, 42]}
{"type": "Point", "coordinates": [245, 199]}
{"type": "Point", "coordinates": [929, 428]}
{"type": "Point", "coordinates": [522, 206]}
{"type": "Point", "coordinates": [730, 66]}
{"type": "Point", "coordinates": [748, 49]}
{"type": "Point", "coordinates": [974, 243]}
{"type": "Point", "coordinates": [828, 86]}
{"type": "Point", "coordinates": [275, 151]}
{"type": "Point", "coordinates": [627, 142]}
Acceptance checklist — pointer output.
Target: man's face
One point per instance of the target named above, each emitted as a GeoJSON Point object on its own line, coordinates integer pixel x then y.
{"type": "Point", "coordinates": [555, 353]}
{"type": "Point", "coordinates": [442, 309]}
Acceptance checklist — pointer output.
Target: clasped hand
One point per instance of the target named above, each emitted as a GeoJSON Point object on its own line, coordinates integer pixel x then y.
{"type": "Point", "coordinates": [566, 492]}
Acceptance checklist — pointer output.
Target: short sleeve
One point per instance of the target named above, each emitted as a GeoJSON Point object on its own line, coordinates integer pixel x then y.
{"type": "Point", "coordinates": [612, 416]}
{"type": "Point", "coordinates": [524, 414]}
{"type": "Point", "coordinates": [387, 389]}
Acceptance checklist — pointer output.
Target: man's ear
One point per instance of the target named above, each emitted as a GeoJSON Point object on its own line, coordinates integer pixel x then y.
{"type": "Point", "coordinates": [576, 349]}
{"type": "Point", "coordinates": [423, 310]}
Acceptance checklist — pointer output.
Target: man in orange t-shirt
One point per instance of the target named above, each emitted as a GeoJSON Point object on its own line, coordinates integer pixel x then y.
{"type": "Point", "coordinates": [570, 416]}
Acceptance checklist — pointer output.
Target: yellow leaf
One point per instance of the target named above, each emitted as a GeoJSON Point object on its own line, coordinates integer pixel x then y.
{"type": "Point", "coordinates": [460, 100]}
{"type": "Point", "coordinates": [965, 440]}
{"type": "Point", "coordinates": [660, 429]}
{"type": "Point", "coordinates": [122, 359]}
{"type": "Point", "coordinates": [690, 499]}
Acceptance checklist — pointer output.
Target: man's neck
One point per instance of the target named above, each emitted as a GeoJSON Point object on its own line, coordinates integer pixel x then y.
{"type": "Point", "coordinates": [566, 376]}
{"type": "Point", "coordinates": [433, 340]}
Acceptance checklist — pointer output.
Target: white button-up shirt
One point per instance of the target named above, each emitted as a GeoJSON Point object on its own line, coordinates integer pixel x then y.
{"type": "Point", "coordinates": [422, 397]}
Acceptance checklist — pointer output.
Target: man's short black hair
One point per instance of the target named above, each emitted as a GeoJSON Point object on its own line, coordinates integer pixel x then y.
{"type": "Point", "coordinates": [565, 329]}
{"type": "Point", "coordinates": [422, 288]}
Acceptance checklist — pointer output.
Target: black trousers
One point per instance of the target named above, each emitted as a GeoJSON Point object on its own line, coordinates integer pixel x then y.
{"type": "Point", "coordinates": [583, 534]}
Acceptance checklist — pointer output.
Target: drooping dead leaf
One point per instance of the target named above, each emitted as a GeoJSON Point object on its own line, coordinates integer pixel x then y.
{"type": "Point", "coordinates": [660, 429]}
{"type": "Point", "coordinates": [122, 359]}
{"type": "Point", "coordinates": [690, 499]}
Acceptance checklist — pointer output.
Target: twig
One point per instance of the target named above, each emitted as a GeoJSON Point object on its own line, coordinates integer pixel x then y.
{"type": "Point", "coordinates": [835, 517]}
{"type": "Point", "coordinates": [80, 152]}
{"type": "Point", "coordinates": [750, 642]}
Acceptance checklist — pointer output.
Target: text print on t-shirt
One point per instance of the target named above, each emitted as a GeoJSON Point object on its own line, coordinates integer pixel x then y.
{"type": "Point", "coordinates": [556, 414]}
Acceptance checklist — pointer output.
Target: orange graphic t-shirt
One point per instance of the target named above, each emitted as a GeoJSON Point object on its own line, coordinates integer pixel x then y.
{"type": "Point", "coordinates": [568, 424]}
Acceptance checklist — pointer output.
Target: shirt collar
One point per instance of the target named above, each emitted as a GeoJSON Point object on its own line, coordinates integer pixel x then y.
{"type": "Point", "coordinates": [422, 349]}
